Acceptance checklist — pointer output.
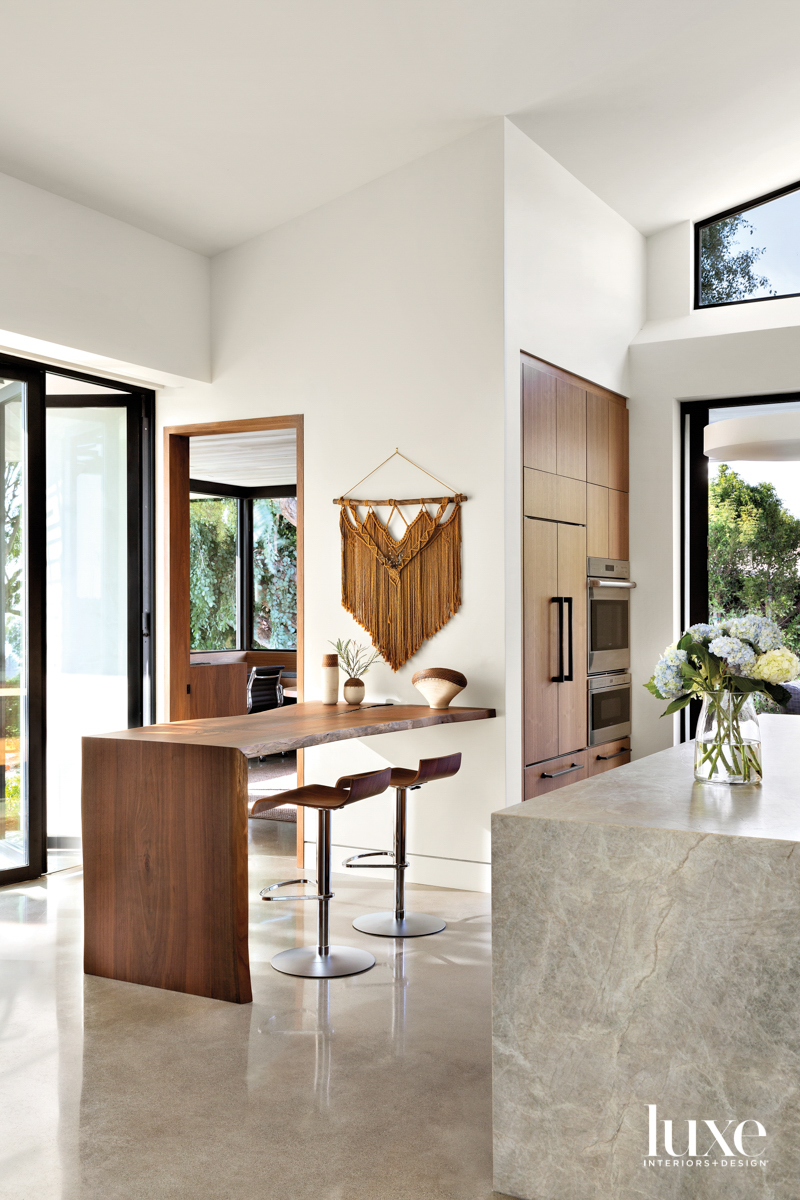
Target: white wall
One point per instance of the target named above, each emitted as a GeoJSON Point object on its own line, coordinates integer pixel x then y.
{"type": "Point", "coordinates": [380, 318]}
{"type": "Point", "coordinates": [685, 354]}
{"type": "Point", "coordinates": [575, 296]}
{"type": "Point", "coordinates": [83, 288]}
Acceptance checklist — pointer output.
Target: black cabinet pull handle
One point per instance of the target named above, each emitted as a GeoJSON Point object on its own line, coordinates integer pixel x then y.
{"type": "Point", "coordinates": [560, 677]}
{"type": "Point", "coordinates": [616, 754]}
{"type": "Point", "coordinates": [566, 771]}
{"type": "Point", "coordinates": [568, 678]}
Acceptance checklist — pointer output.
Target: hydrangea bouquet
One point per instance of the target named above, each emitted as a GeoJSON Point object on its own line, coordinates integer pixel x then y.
{"type": "Point", "coordinates": [726, 664]}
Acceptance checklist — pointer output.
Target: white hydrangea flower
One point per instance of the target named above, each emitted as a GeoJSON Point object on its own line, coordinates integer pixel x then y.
{"type": "Point", "coordinates": [776, 666]}
{"type": "Point", "coordinates": [737, 654]}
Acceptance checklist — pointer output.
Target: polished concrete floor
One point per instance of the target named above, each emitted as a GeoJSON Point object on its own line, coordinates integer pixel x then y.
{"type": "Point", "coordinates": [372, 1087]}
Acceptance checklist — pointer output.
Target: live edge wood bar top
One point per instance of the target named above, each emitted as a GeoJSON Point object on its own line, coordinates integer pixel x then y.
{"type": "Point", "coordinates": [165, 838]}
{"type": "Point", "coordinates": [296, 725]}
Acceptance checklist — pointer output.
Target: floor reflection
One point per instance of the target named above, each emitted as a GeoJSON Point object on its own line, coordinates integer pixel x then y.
{"type": "Point", "coordinates": [316, 1022]}
{"type": "Point", "coordinates": [119, 1092]}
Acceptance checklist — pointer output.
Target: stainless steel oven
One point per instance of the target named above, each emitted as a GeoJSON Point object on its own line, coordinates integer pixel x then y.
{"type": "Point", "coordinates": [608, 615]}
{"type": "Point", "coordinates": [609, 707]}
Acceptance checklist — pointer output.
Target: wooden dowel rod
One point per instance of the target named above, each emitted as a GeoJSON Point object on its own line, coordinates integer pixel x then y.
{"type": "Point", "coordinates": [420, 500]}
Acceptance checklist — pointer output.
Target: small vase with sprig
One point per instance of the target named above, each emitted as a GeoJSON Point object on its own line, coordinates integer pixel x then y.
{"type": "Point", "coordinates": [355, 660]}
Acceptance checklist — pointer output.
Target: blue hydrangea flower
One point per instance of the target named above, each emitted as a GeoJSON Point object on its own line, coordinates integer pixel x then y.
{"type": "Point", "coordinates": [739, 656]}
{"type": "Point", "coordinates": [702, 632]}
{"type": "Point", "coordinates": [759, 630]}
{"type": "Point", "coordinates": [668, 678]}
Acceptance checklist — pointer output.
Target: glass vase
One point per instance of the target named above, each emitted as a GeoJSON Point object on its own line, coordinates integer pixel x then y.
{"type": "Point", "coordinates": [727, 746]}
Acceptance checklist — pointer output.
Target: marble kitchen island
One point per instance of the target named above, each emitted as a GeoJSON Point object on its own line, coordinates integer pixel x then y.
{"type": "Point", "coordinates": [646, 947]}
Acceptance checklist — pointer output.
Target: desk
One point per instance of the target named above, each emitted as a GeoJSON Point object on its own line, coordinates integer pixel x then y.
{"type": "Point", "coordinates": [165, 838]}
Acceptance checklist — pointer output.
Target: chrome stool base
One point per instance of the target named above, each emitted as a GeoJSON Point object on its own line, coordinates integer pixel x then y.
{"type": "Point", "coordinates": [386, 924]}
{"type": "Point", "coordinates": [307, 961]}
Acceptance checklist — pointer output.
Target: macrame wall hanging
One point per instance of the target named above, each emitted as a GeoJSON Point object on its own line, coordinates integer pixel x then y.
{"type": "Point", "coordinates": [401, 591]}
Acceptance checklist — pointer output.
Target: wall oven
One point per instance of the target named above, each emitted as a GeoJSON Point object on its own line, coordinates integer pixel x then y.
{"type": "Point", "coordinates": [608, 615]}
{"type": "Point", "coordinates": [609, 707]}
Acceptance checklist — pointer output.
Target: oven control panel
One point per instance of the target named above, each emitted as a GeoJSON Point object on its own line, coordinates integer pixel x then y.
{"type": "Point", "coordinates": [608, 568]}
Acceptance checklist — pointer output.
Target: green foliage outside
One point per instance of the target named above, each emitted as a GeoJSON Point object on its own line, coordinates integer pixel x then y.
{"type": "Point", "coordinates": [275, 574]}
{"type": "Point", "coordinates": [727, 274]}
{"type": "Point", "coordinates": [753, 553]}
{"type": "Point", "coordinates": [13, 797]}
{"type": "Point", "coordinates": [212, 573]}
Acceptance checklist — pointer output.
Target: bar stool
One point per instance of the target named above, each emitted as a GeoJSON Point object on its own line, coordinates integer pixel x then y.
{"type": "Point", "coordinates": [400, 923]}
{"type": "Point", "coordinates": [323, 960]}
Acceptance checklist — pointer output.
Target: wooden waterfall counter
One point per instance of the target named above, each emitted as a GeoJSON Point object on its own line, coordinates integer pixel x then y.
{"type": "Point", "coordinates": [165, 838]}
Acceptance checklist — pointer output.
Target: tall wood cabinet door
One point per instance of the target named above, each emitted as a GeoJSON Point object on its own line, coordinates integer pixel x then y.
{"type": "Point", "coordinates": [597, 439]}
{"type": "Point", "coordinates": [540, 661]}
{"type": "Point", "coordinates": [617, 446]}
{"type": "Point", "coordinates": [618, 525]}
{"type": "Point", "coordinates": [538, 419]}
{"type": "Point", "coordinates": [596, 521]}
{"type": "Point", "coordinates": [571, 430]}
{"type": "Point", "coordinates": [572, 701]}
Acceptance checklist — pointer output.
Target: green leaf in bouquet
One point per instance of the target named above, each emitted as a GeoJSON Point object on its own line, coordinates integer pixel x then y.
{"type": "Point", "coordinates": [677, 705]}
{"type": "Point", "coordinates": [685, 642]}
{"type": "Point", "coordinates": [778, 693]}
{"type": "Point", "coordinates": [740, 683]}
{"type": "Point", "coordinates": [651, 687]}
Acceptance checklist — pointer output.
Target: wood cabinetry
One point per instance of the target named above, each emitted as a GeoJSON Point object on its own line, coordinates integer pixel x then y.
{"type": "Point", "coordinates": [612, 754]}
{"type": "Point", "coordinates": [575, 460]}
{"type": "Point", "coordinates": [606, 522]}
{"type": "Point", "coordinates": [617, 524]}
{"type": "Point", "coordinates": [554, 497]}
{"type": "Point", "coordinates": [556, 773]}
{"type": "Point", "coordinates": [597, 439]}
{"type": "Point", "coordinates": [555, 639]}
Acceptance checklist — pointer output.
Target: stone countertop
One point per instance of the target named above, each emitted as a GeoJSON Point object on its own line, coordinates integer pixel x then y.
{"type": "Point", "coordinates": [646, 959]}
{"type": "Point", "coordinates": [659, 792]}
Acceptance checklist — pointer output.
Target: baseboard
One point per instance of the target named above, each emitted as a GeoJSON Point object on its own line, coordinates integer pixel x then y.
{"type": "Point", "coordinates": [434, 872]}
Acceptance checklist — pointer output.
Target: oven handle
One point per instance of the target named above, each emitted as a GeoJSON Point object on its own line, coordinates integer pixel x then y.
{"type": "Point", "coordinates": [615, 583]}
{"type": "Point", "coordinates": [608, 757]}
{"type": "Point", "coordinates": [559, 678]}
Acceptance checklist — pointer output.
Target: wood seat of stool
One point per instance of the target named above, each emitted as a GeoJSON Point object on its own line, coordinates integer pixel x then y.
{"type": "Point", "coordinates": [347, 790]}
{"type": "Point", "coordinates": [428, 770]}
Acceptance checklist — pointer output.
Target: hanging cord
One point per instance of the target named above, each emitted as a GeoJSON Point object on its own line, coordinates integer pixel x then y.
{"type": "Point", "coordinates": [398, 452]}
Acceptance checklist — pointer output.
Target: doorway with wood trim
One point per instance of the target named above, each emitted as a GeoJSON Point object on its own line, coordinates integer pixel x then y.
{"type": "Point", "coordinates": [233, 497]}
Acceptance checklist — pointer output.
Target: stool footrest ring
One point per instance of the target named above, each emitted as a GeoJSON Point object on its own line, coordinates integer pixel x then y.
{"type": "Point", "coordinates": [392, 866]}
{"type": "Point", "coordinates": [291, 883]}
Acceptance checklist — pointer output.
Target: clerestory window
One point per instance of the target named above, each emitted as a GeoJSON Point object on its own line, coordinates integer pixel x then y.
{"type": "Point", "coordinates": [751, 252]}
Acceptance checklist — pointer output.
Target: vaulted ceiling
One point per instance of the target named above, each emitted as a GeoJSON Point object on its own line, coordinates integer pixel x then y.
{"type": "Point", "coordinates": [209, 121]}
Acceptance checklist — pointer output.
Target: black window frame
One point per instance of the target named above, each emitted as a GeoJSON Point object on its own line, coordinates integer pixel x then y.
{"type": "Point", "coordinates": [140, 405]}
{"type": "Point", "coordinates": [694, 417]}
{"type": "Point", "coordinates": [244, 497]}
{"type": "Point", "coordinates": [737, 211]}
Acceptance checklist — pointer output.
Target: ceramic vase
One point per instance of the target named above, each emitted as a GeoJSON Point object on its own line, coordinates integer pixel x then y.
{"type": "Point", "coordinates": [727, 747]}
{"type": "Point", "coordinates": [439, 685]}
{"type": "Point", "coordinates": [353, 691]}
{"type": "Point", "coordinates": [330, 679]}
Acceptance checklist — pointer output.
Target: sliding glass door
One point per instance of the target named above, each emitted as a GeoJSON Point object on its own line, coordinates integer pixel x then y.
{"type": "Point", "coordinates": [741, 526]}
{"type": "Point", "coordinates": [22, 642]}
{"type": "Point", "coordinates": [76, 584]}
